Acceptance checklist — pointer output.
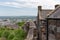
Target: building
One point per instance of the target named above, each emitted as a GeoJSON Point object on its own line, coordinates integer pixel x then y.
{"type": "Point", "coordinates": [44, 15]}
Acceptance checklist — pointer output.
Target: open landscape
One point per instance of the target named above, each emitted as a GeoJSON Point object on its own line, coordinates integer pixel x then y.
{"type": "Point", "coordinates": [12, 29]}
{"type": "Point", "coordinates": [29, 19]}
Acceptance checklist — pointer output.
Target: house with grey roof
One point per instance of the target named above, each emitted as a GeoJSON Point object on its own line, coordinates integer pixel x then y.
{"type": "Point", "coordinates": [46, 23]}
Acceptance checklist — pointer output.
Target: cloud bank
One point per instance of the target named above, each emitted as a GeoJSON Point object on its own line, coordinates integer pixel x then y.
{"type": "Point", "coordinates": [30, 3]}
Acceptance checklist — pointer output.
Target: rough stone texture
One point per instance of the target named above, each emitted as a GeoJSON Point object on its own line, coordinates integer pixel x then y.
{"type": "Point", "coordinates": [26, 27]}
{"type": "Point", "coordinates": [32, 33]}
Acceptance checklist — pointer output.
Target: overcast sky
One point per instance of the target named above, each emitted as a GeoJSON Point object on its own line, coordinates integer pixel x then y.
{"type": "Point", "coordinates": [24, 7]}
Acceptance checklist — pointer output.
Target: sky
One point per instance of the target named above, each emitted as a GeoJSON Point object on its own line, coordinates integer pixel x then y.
{"type": "Point", "coordinates": [24, 7]}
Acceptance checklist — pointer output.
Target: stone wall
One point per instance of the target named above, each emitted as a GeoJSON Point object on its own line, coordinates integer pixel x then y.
{"type": "Point", "coordinates": [32, 33]}
{"type": "Point", "coordinates": [26, 27]}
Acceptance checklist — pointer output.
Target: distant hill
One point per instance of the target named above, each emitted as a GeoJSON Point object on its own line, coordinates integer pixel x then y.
{"type": "Point", "coordinates": [17, 17]}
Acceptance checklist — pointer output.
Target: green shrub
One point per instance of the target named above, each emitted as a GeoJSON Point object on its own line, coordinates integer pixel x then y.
{"type": "Point", "coordinates": [16, 34]}
{"type": "Point", "coordinates": [15, 38]}
{"type": "Point", "coordinates": [1, 32]}
{"type": "Point", "coordinates": [20, 23]}
{"type": "Point", "coordinates": [11, 36]}
{"type": "Point", "coordinates": [5, 33]}
{"type": "Point", "coordinates": [20, 34]}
